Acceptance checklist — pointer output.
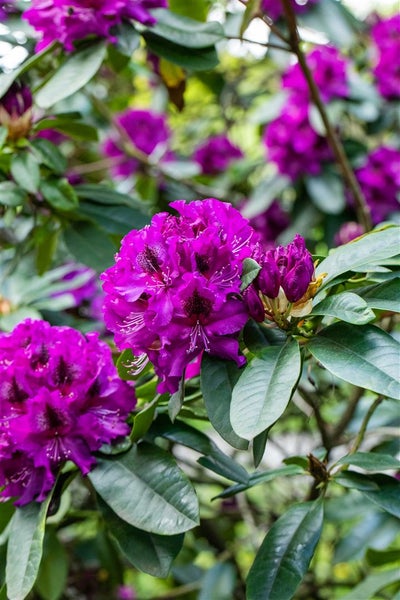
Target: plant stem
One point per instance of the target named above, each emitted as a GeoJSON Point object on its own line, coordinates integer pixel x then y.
{"type": "Point", "coordinates": [364, 424]}
{"type": "Point", "coordinates": [363, 213]}
{"type": "Point", "coordinates": [348, 413]}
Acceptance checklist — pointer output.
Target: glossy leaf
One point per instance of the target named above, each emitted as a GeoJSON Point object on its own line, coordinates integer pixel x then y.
{"type": "Point", "coordinates": [70, 127]}
{"type": "Point", "coordinates": [117, 220]}
{"type": "Point", "coordinates": [385, 296]}
{"type": "Point", "coordinates": [143, 421]}
{"type": "Point", "coordinates": [89, 245]}
{"type": "Point", "coordinates": [146, 551]}
{"type": "Point", "coordinates": [262, 477]}
{"type": "Point", "coordinates": [259, 445]}
{"type": "Point", "coordinates": [264, 389]}
{"type": "Point", "coordinates": [218, 378]}
{"type": "Point", "coordinates": [59, 194]}
{"type": "Point", "coordinates": [25, 171]}
{"type": "Point", "coordinates": [285, 553]}
{"type": "Point", "coordinates": [198, 59]}
{"type": "Point", "coordinates": [250, 271]}
{"type": "Point", "coordinates": [371, 461]}
{"type": "Point", "coordinates": [347, 307]}
{"type": "Point", "coordinates": [25, 547]}
{"type": "Point", "coordinates": [49, 155]}
{"type": "Point", "coordinates": [365, 356]}
{"type": "Point", "coordinates": [103, 194]}
{"type": "Point", "coordinates": [186, 31]}
{"type": "Point", "coordinates": [380, 489]}
{"type": "Point", "coordinates": [145, 488]}
{"type": "Point", "coordinates": [72, 75]}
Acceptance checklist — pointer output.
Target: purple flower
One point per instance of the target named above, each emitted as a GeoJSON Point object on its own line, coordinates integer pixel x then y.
{"type": "Point", "coordinates": [126, 592]}
{"type": "Point", "coordinates": [68, 21]}
{"type": "Point", "coordinates": [7, 9]}
{"type": "Point", "coordinates": [61, 400]}
{"type": "Point", "coordinates": [274, 9]}
{"type": "Point", "coordinates": [216, 154]}
{"type": "Point", "coordinates": [86, 287]}
{"type": "Point", "coordinates": [145, 130]}
{"type": "Point", "coordinates": [292, 144]}
{"type": "Point", "coordinates": [330, 73]}
{"type": "Point", "coordinates": [16, 111]}
{"type": "Point", "coordinates": [174, 290]}
{"type": "Point", "coordinates": [348, 232]}
{"type": "Point", "coordinates": [386, 35]}
{"type": "Point", "coordinates": [379, 179]}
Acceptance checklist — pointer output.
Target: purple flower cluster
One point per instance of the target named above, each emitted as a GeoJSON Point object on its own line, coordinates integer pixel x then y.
{"type": "Point", "coordinates": [379, 179]}
{"type": "Point", "coordinates": [68, 21]}
{"type": "Point", "coordinates": [348, 231]}
{"type": "Point", "coordinates": [284, 285]}
{"type": "Point", "coordinates": [145, 130]}
{"type": "Point", "coordinates": [386, 35]}
{"type": "Point", "coordinates": [292, 144]}
{"type": "Point", "coordinates": [174, 289]}
{"type": "Point", "coordinates": [16, 110]}
{"type": "Point", "coordinates": [329, 69]}
{"type": "Point", "coordinates": [216, 154]}
{"type": "Point", "coordinates": [274, 9]}
{"type": "Point", "coordinates": [61, 399]}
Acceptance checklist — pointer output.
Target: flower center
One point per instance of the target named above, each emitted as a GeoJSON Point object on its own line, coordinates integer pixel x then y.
{"type": "Point", "coordinates": [197, 305]}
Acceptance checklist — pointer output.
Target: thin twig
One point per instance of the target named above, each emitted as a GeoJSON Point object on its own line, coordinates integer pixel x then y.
{"type": "Point", "coordinates": [364, 424]}
{"type": "Point", "coordinates": [348, 414]}
{"type": "Point", "coordinates": [312, 400]}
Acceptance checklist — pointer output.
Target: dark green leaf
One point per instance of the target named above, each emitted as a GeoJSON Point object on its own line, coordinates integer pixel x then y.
{"type": "Point", "coordinates": [72, 128]}
{"type": "Point", "coordinates": [285, 553]}
{"type": "Point", "coordinates": [128, 39]}
{"type": "Point", "coordinates": [380, 489]}
{"type": "Point", "coordinates": [25, 547]}
{"type": "Point", "coordinates": [25, 171]}
{"type": "Point", "coordinates": [365, 356]}
{"type": "Point", "coordinates": [385, 296]}
{"type": "Point", "coordinates": [145, 488]}
{"type": "Point", "coordinates": [59, 194]}
{"type": "Point", "coordinates": [49, 155]}
{"type": "Point", "coordinates": [218, 583]}
{"type": "Point", "coordinates": [143, 421]}
{"type": "Point", "coordinates": [263, 477]}
{"type": "Point", "coordinates": [89, 245]}
{"type": "Point", "coordinates": [114, 219]}
{"type": "Point", "coordinates": [3, 135]}
{"type": "Point", "coordinates": [265, 388]}
{"type": "Point", "coordinates": [251, 268]}
{"type": "Point", "coordinates": [327, 193]}
{"type": "Point", "coordinates": [11, 194]}
{"type": "Point", "coordinates": [347, 307]}
{"type": "Point", "coordinates": [186, 31]}
{"type": "Point", "coordinates": [368, 588]}
{"type": "Point", "coordinates": [148, 552]}
{"type": "Point", "coordinates": [198, 59]}
{"type": "Point", "coordinates": [377, 558]}
{"type": "Point", "coordinates": [102, 194]}
{"type": "Point", "coordinates": [176, 401]}
{"type": "Point", "coordinates": [53, 569]}
{"type": "Point", "coordinates": [218, 378]}
{"type": "Point", "coordinates": [259, 444]}
{"type": "Point", "coordinates": [371, 461]}
{"type": "Point", "coordinates": [72, 75]}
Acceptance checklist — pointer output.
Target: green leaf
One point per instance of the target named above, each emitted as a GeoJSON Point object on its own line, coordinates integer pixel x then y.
{"type": "Point", "coordinates": [378, 558]}
{"type": "Point", "coordinates": [218, 378]}
{"type": "Point", "coordinates": [251, 269]}
{"type": "Point", "coordinates": [148, 552]}
{"type": "Point", "coordinates": [6, 79]}
{"type": "Point", "coordinates": [3, 135]}
{"type": "Point", "coordinates": [346, 306]}
{"type": "Point", "coordinates": [377, 245]}
{"type": "Point", "coordinates": [380, 489]}
{"type": "Point", "coordinates": [186, 31]}
{"type": "Point", "coordinates": [197, 9]}
{"type": "Point", "coordinates": [53, 570]}
{"type": "Point", "coordinates": [259, 445]}
{"type": "Point", "coordinates": [265, 388]}
{"type": "Point", "coordinates": [89, 245]}
{"type": "Point", "coordinates": [103, 194]}
{"type": "Point", "coordinates": [143, 421]}
{"type": "Point", "coordinates": [263, 477]}
{"type": "Point", "coordinates": [218, 583]}
{"type": "Point", "coordinates": [49, 155]}
{"type": "Point", "coordinates": [285, 553]}
{"type": "Point", "coordinates": [59, 194]}
{"type": "Point", "coordinates": [198, 59]}
{"type": "Point", "coordinates": [11, 194]}
{"type": "Point", "coordinates": [25, 547]}
{"type": "Point", "coordinates": [117, 220]}
{"type": "Point", "coordinates": [145, 488]}
{"type": "Point", "coordinates": [25, 171]}
{"type": "Point", "coordinates": [365, 356]}
{"type": "Point", "coordinates": [327, 193]}
{"type": "Point", "coordinates": [176, 401]}
{"type": "Point", "coordinates": [385, 296]}
{"type": "Point", "coordinates": [74, 129]}
{"type": "Point", "coordinates": [371, 461]}
{"type": "Point", "coordinates": [372, 584]}
{"type": "Point", "coordinates": [72, 75]}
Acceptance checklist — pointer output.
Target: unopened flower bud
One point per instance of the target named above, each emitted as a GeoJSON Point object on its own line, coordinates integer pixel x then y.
{"type": "Point", "coordinates": [16, 111]}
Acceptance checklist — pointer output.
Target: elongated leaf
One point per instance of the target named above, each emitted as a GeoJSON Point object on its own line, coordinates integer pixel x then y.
{"type": "Point", "coordinates": [368, 588]}
{"type": "Point", "coordinates": [145, 488]}
{"type": "Point", "coordinates": [218, 378]}
{"type": "Point", "coordinates": [89, 245]}
{"type": "Point", "coordinates": [143, 421]}
{"type": "Point", "coordinates": [218, 583]}
{"type": "Point", "coordinates": [380, 489]}
{"type": "Point", "coordinates": [327, 193]}
{"type": "Point", "coordinates": [72, 128]}
{"type": "Point", "coordinates": [365, 356]}
{"type": "Point", "coordinates": [59, 194]}
{"type": "Point", "coordinates": [25, 547]}
{"type": "Point", "coordinates": [102, 194]}
{"type": "Point", "coordinates": [385, 296]}
{"type": "Point", "coordinates": [264, 389]}
{"type": "Point", "coordinates": [347, 306]}
{"type": "Point", "coordinates": [186, 31]}
{"type": "Point", "coordinates": [114, 219]}
{"type": "Point", "coordinates": [371, 461]}
{"type": "Point", "coordinates": [74, 73]}
{"type": "Point", "coordinates": [198, 59]}
{"type": "Point", "coordinates": [263, 477]}
{"type": "Point", "coordinates": [285, 553]}
{"type": "Point", "coordinates": [25, 171]}
{"type": "Point", "coordinates": [147, 552]}
{"type": "Point", "coordinates": [53, 569]}
{"type": "Point", "coordinates": [376, 245]}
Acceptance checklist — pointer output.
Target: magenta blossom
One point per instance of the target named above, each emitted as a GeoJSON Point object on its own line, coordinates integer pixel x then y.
{"type": "Point", "coordinates": [61, 400]}
{"type": "Point", "coordinates": [148, 133]}
{"type": "Point", "coordinates": [216, 154]}
{"type": "Point", "coordinates": [85, 287]}
{"type": "Point", "coordinates": [274, 9]}
{"type": "Point", "coordinates": [379, 178]}
{"type": "Point", "coordinates": [174, 290]}
{"type": "Point", "coordinates": [329, 68]}
{"type": "Point", "coordinates": [349, 231]}
{"type": "Point", "coordinates": [386, 35]}
{"type": "Point", "coordinates": [292, 144]}
{"type": "Point", "coordinates": [67, 21]}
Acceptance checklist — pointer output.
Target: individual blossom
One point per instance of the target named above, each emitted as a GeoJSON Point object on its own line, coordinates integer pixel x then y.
{"type": "Point", "coordinates": [292, 143]}
{"type": "Point", "coordinates": [216, 154]}
{"type": "Point", "coordinates": [329, 68]}
{"type": "Point", "coordinates": [379, 179]}
{"type": "Point", "coordinates": [174, 291]}
{"type": "Point", "coordinates": [285, 284]}
{"type": "Point", "coordinates": [145, 131]}
{"type": "Point", "coordinates": [16, 111]}
{"type": "Point", "coordinates": [348, 232]}
{"type": "Point", "coordinates": [61, 399]}
{"type": "Point", "coordinates": [274, 8]}
{"type": "Point", "coordinates": [68, 21]}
